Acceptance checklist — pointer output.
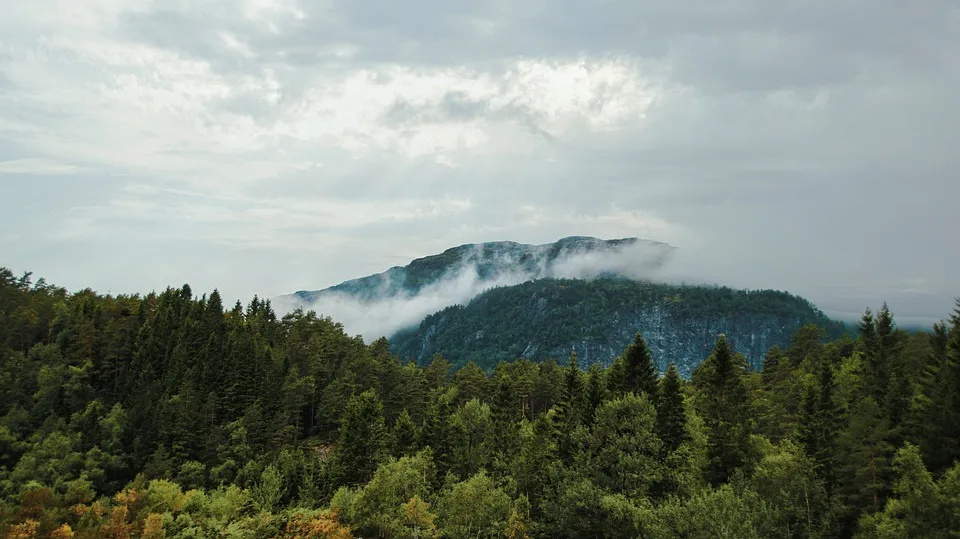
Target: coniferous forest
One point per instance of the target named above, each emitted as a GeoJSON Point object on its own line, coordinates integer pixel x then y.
{"type": "Point", "coordinates": [173, 415]}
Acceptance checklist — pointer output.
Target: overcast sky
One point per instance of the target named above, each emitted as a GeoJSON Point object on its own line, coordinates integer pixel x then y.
{"type": "Point", "coordinates": [267, 146]}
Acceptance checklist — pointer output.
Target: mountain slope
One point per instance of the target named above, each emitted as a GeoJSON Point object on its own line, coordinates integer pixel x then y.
{"type": "Point", "coordinates": [503, 262]}
{"type": "Point", "coordinates": [546, 319]}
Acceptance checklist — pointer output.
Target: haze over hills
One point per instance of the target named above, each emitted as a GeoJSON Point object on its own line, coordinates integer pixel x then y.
{"type": "Point", "coordinates": [502, 300]}
{"type": "Point", "coordinates": [383, 303]}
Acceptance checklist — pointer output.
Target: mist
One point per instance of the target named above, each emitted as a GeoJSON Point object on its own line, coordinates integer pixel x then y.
{"type": "Point", "coordinates": [394, 308]}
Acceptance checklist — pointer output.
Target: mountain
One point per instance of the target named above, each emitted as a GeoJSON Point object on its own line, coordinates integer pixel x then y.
{"type": "Point", "coordinates": [546, 319]}
{"type": "Point", "coordinates": [497, 301]}
{"type": "Point", "coordinates": [502, 262]}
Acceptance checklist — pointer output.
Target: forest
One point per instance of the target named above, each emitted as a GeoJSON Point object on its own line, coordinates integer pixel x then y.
{"type": "Point", "coordinates": [172, 415]}
{"type": "Point", "coordinates": [499, 323]}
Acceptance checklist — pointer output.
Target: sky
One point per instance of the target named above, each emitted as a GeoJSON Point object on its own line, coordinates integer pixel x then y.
{"type": "Point", "coordinates": [267, 146]}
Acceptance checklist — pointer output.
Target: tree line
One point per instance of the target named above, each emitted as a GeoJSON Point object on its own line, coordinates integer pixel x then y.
{"type": "Point", "coordinates": [169, 415]}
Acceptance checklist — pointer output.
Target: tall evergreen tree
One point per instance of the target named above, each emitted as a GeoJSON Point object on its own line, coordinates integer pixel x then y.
{"type": "Point", "coordinates": [436, 432]}
{"type": "Point", "coordinates": [932, 417]}
{"type": "Point", "coordinates": [507, 410]}
{"type": "Point", "coordinates": [404, 436]}
{"type": "Point", "coordinates": [596, 392]}
{"type": "Point", "coordinates": [829, 416]}
{"type": "Point", "coordinates": [863, 458]}
{"type": "Point", "coordinates": [640, 371]}
{"type": "Point", "coordinates": [363, 440]}
{"type": "Point", "coordinates": [568, 410]}
{"type": "Point", "coordinates": [723, 405]}
{"type": "Point", "coordinates": [671, 416]}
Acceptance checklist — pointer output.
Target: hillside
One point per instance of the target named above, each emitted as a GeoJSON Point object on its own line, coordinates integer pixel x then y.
{"type": "Point", "coordinates": [545, 319]}
{"type": "Point", "coordinates": [502, 262]}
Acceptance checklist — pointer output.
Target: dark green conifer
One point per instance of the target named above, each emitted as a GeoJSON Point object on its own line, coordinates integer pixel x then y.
{"type": "Point", "coordinates": [640, 371]}
{"type": "Point", "coordinates": [404, 435]}
{"type": "Point", "coordinates": [671, 416]}
{"type": "Point", "coordinates": [363, 440]}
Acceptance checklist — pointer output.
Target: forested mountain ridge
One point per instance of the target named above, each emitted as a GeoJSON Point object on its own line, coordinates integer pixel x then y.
{"type": "Point", "coordinates": [547, 318]}
{"type": "Point", "coordinates": [494, 262]}
{"type": "Point", "coordinates": [169, 415]}
{"type": "Point", "coordinates": [578, 293]}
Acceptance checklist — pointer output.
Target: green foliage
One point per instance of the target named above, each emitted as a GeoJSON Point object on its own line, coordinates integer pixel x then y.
{"type": "Point", "coordinates": [671, 423]}
{"type": "Point", "coordinates": [640, 371]}
{"type": "Point", "coordinates": [624, 450]}
{"type": "Point", "coordinates": [501, 323]}
{"type": "Point", "coordinates": [723, 403]}
{"type": "Point", "coordinates": [167, 416]}
{"type": "Point", "coordinates": [474, 508]}
{"type": "Point", "coordinates": [363, 440]}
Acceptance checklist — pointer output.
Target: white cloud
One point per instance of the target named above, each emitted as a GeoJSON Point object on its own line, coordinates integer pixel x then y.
{"type": "Point", "coordinates": [37, 167]}
{"type": "Point", "coordinates": [770, 145]}
{"type": "Point", "coordinates": [397, 309]}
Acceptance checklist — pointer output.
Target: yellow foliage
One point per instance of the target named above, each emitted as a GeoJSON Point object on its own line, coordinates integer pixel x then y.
{"type": "Point", "coordinates": [418, 516]}
{"type": "Point", "coordinates": [79, 509]}
{"type": "Point", "coordinates": [322, 526]}
{"type": "Point", "coordinates": [98, 509]}
{"type": "Point", "coordinates": [25, 530]}
{"type": "Point", "coordinates": [516, 529]}
{"type": "Point", "coordinates": [118, 528]}
{"type": "Point", "coordinates": [63, 532]}
{"type": "Point", "coordinates": [153, 527]}
{"type": "Point", "coordinates": [127, 497]}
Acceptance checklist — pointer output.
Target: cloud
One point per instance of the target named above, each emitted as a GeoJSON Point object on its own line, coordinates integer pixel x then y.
{"type": "Point", "coordinates": [268, 145]}
{"type": "Point", "coordinates": [36, 167]}
{"type": "Point", "coordinates": [394, 307]}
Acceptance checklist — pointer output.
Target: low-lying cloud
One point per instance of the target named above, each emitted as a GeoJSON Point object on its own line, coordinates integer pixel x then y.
{"type": "Point", "coordinates": [386, 307]}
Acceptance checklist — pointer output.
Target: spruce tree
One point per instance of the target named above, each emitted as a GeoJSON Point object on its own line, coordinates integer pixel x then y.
{"type": "Point", "coordinates": [595, 394]}
{"type": "Point", "coordinates": [930, 420]}
{"type": "Point", "coordinates": [572, 401]}
{"type": "Point", "coordinates": [617, 377]}
{"type": "Point", "coordinates": [404, 436]}
{"type": "Point", "coordinates": [807, 422]}
{"type": "Point", "coordinates": [506, 412]}
{"type": "Point", "coordinates": [640, 371]}
{"type": "Point", "coordinates": [567, 415]}
{"type": "Point", "coordinates": [829, 416]}
{"type": "Point", "coordinates": [863, 458]}
{"type": "Point", "coordinates": [436, 433]}
{"type": "Point", "coordinates": [671, 417]}
{"type": "Point", "coordinates": [363, 440]}
{"type": "Point", "coordinates": [723, 405]}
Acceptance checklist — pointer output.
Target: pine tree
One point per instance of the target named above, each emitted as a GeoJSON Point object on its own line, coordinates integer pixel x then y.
{"type": "Point", "coordinates": [863, 458]}
{"type": "Point", "coordinates": [363, 439]}
{"type": "Point", "coordinates": [572, 399]}
{"type": "Point", "coordinates": [671, 416]}
{"type": "Point", "coordinates": [471, 382]}
{"type": "Point", "coordinates": [436, 433]}
{"type": "Point", "coordinates": [640, 371]}
{"type": "Point", "coordinates": [506, 412]}
{"type": "Point", "coordinates": [404, 436]}
{"type": "Point", "coordinates": [617, 377]}
{"type": "Point", "coordinates": [829, 416]}
{"type": "Point", "coordinates": [567, 415]}
{"type": "Point", "coordinates": [807, 428]}
{"type": "Point", "coordinates": [931, 417]}
{"type": "Point", "coordinates": [774, 367]}
{"type": "Point", "coordinates": [596, 393]}
{"type": "Point", "coordinates": [723, 405]}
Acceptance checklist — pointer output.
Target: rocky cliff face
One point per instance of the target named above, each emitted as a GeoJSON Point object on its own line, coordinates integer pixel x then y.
{"type": "Point", "coordinates": [547, 319]}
